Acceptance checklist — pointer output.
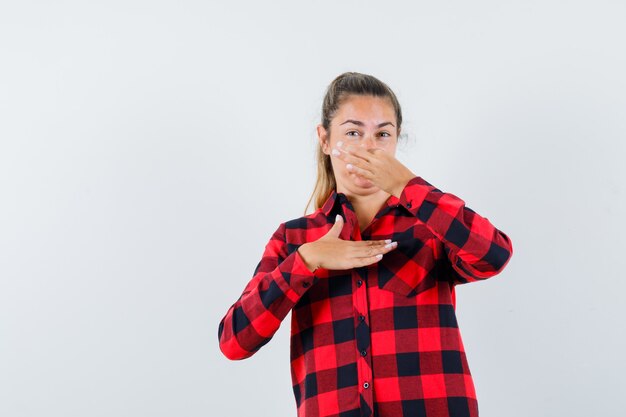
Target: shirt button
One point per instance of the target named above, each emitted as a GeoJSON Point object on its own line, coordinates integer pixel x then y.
{"type": "Point", "coordinates": [361, 318]}
{"type": "Point", "coordinates": [305, 284]}
{"type": "Point", "coordinates": [359, 282]}
{"type": "Point", "coordinates": [408, 204]}
{"type": "Point", "coordinates": [363, 352]}
{"type": "Point", "coordinates": [366, 385]}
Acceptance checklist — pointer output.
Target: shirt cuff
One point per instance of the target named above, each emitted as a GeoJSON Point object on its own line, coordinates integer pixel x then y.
{"type": "Point", "coordinates": [300, 278]}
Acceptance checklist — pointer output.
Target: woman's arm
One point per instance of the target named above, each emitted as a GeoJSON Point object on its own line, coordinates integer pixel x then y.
{"type": "Point", "coordinates": [477, 249]}
{"type": "Point", "coordinates": [278, 282]}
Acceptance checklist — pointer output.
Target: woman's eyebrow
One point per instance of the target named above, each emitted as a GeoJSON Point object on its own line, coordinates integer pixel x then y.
{"type": "Point", "coordinates": [359, 123]}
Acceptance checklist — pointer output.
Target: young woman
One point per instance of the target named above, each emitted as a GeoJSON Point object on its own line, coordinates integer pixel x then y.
{"type": "Point", "coordinates": [370, 275]}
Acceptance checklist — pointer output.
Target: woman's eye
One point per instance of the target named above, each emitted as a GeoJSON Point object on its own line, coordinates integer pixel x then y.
{"type": "Point", "coordinates": [352, 131]}
{"type": "Point", "coordinates": [385, 133]}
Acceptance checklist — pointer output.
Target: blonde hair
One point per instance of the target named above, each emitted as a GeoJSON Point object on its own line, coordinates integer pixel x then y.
{"type": "Point", "coordinates": [344, 85]}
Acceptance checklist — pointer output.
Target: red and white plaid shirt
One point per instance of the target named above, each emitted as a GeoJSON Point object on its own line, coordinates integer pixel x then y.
{"type": "Point", "coordinates": [380, 340]}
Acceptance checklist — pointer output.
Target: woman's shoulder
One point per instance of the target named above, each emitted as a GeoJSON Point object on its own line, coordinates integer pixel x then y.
{"type": "Point", "coordinates": [313, 219]}
{"type": "Point", "coordinates": [296, 228]}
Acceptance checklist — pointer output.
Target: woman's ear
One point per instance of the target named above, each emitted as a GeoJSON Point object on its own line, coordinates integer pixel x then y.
{"type": "Point", "coordinates": [324, 139]}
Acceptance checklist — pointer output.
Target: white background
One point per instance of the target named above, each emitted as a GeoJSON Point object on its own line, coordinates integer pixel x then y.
{"type": "Point", "coordinates": [148, 149]}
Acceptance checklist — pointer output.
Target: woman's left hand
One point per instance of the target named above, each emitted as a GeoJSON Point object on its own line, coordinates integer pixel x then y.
{"type": "Point", "coordinates": [376, 165]}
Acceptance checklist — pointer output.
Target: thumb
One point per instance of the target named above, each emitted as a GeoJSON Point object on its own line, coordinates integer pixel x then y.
{"type": "Point", "coordinates": [335, 231]}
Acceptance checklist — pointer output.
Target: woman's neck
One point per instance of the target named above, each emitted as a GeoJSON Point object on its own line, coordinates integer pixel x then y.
{"type": "Point", "coordinates": [367, 206]}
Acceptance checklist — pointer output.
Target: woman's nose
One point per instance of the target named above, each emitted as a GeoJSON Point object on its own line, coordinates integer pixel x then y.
{"type": "Point", "coordinates": [368, 141]}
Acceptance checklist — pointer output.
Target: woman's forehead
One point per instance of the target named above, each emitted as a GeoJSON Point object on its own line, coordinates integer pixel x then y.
{"type": "Point", "coordinates": [365, 110]}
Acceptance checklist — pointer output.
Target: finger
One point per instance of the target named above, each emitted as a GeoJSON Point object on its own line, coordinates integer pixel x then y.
{"type": "Point", "coordinates": [369, 251]}
{"type": "Point", "coordinates": [350, 159]}
{"type": "Point", "coordinates": [367, 243]}
{"type": "Point", "coordinates": [364, 248]}
{"type": "Point", "coordinates": [360, 171]}
{"type": "Point", "coordinates": [357, 151]}
{"type": "Point", "coordinates": [389, 248]}
{"type": "Point", "coordinates": [343, 151]}
{"type": "Point", "coordinates": [369, 154]}
{"type": "Point", "coordinates": [339, 152]}
{"type": "Point", "coordinates": [347, 157]}
{"type": "Point", "coordinates": [368, 261]}
{"type": "Point", "coordinates": [376, 150]}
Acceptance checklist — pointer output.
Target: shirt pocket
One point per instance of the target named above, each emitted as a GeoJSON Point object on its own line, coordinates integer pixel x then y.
{"type": "Point", "coordinates": [409, 269]}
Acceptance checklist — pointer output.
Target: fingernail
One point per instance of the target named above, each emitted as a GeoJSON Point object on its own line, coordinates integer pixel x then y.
{"type": "Point", "coordinates": [387, 240]}
{"type": "Point", "coordinates": [336, 152]}
{"type": "Point", "coordinates": [380, 255]}
{"type": "Point", "coordinates": [339, 144]}
{"type": "Point", "coordinates": [349, 166]}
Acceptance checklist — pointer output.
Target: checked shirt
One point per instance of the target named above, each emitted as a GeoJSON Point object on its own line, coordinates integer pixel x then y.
{"type": "Point", "coordinates": [380, 340]}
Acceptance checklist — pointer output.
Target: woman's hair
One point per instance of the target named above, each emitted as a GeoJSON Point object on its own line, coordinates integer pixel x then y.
{"type": "Point", "coordinates": [346, 84]}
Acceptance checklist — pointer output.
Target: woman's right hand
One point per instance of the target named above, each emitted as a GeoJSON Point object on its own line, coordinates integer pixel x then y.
{"type": "Point", "coordinates": [331, 252]}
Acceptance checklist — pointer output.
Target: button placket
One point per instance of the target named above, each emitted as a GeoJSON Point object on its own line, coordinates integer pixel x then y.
{"type": "Point", "coordinates": [364, 365]}
{"type": "Point", "coordinates": [362, 331]}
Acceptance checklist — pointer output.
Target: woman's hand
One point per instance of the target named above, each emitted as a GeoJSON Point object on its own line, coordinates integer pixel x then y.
{"type": "Point", "coordinates": [376, 165]}
{"type": "Point", "coordinates": [331, 252]}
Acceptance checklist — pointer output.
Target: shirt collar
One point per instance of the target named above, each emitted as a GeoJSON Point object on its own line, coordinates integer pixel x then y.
{"type": "Point", "coordinates": [336, 199]}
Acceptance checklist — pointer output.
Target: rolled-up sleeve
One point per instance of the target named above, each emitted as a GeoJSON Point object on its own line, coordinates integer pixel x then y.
{"type": "Point", "coordinates": [278, 282]}
{"type": "Point", "coordinates": [475, 247]}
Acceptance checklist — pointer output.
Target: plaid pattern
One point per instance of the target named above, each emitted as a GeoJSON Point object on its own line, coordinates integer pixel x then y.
{"type": "Point", "coordinates": [380, 340]}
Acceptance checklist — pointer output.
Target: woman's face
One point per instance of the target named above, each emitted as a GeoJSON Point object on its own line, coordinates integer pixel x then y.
{"type": "Point", "coordinates": [366, 121]}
